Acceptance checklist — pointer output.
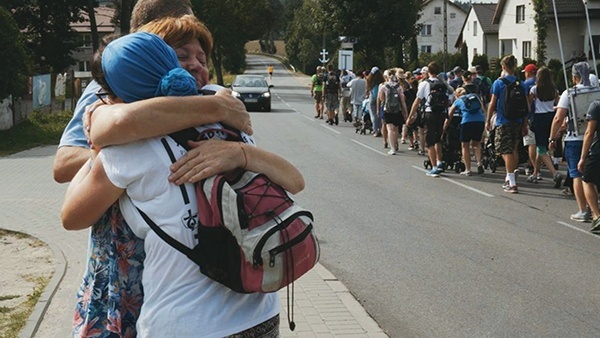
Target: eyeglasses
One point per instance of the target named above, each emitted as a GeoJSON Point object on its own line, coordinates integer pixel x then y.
{"type": "Point", "coordinates": [103, 96]}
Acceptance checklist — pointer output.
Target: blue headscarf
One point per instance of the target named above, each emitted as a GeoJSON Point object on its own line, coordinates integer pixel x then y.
{"type": "Point", "coordinates": [141, 65]}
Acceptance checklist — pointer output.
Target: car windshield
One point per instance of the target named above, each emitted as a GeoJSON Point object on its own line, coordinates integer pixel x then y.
{"type": "Point", "coordinates": [249, 82]}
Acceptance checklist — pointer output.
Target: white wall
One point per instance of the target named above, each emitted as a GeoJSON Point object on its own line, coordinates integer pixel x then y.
{"type": "Point", "coordinates": [514, 33]}
{"type": "Point", "coordinates": [436, 40]}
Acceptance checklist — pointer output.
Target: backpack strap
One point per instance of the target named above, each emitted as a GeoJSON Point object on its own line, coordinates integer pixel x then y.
{"type": "Point", "coordinates": [505, 81]}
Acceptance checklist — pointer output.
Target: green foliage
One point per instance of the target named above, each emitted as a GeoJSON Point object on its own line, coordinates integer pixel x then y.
{"type": "Point", "coordinates": [381, 33]}
{"type": "Point", "coordinates": [37, 130]}
{"type": "Point", "coordinates": [541, 29]}
{"type": "Point", "coordinates": [46, 26]}
{"type": "Point", "coordinates": [481, 60]}
{"type": "Point", "coordinates": [15, 61]}
{"type": "Point", "coordinates": [233, 23]}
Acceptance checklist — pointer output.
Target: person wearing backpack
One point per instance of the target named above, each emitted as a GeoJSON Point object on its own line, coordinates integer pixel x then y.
{"type": "Point", "coordinates": [332, 91]}
{"type": "Point", "coordinates": [316, 91]}
{"type": "Point", "coordinates": [484, 83]}
{"type": "Point", "coordinates": [434, 93]}
{"type": "Point", "coordinates": [391, 96]}
{"type": "Point", "coordinates": [574, 138]}
{"type": "Point", "coordinates": [471, 126]}
{"type": "Point", "coordinates": [374, 79]}
{"type": "Point", "coordinates": [509, 102]}
{"type": "Point", "coordinates": [186, 304]}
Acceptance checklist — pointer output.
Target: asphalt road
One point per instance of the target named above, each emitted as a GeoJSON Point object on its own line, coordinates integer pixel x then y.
{"type": "Point", "coordinates": [434, 257]}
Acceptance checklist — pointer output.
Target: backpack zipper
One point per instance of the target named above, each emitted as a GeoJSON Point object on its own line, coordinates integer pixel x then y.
{"type": "Point", "coordinates": [277, 250]}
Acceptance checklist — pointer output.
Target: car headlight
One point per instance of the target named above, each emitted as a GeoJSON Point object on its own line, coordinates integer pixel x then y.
{"type": "Point", "coordinates": [236, 94]}
{"type": "Point", "coordinates": [267, 94]}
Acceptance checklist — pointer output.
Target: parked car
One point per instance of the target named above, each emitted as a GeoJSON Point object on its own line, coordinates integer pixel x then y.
{"type": "Point", "coordinates": [253, 90]}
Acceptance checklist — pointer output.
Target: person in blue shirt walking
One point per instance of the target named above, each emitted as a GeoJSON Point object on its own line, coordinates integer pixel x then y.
{"type": "Point", "coordinates": [508, 132]}
{"type": "Point", "coordinates": [471, 126]}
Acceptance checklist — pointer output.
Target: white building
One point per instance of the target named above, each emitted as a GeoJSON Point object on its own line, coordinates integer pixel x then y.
{"type": "Point", "coordinates": [440, 23]}
{"type": "Point", "coordinates": [478, 32]}
{"type": "Point", "coordinates": [517, 32]}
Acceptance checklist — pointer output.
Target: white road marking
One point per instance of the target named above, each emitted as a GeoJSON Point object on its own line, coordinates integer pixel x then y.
{"type": "Point", "coordinates": [366, 146]}
{"type": "Point", "coordinates": [458, 183]}
{"type": "Point", "coordinates": [576, 228]}
{"type": "Point", "coordinates": [333, 130]}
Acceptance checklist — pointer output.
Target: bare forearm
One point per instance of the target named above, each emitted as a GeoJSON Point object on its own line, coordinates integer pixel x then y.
{"type": "Point", "coordinates": [278, 169]}
{"type": "Point", "coordinates": [68, 161]}
{"type": "Point", "coordinates": [124, 123]}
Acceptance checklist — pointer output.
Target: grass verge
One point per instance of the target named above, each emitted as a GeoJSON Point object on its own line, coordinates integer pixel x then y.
{"type": "Point", "coordinates": [37, 130]}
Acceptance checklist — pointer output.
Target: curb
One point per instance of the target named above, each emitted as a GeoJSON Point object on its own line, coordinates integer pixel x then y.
{"type": "Point", "coordinates": [35, 319]}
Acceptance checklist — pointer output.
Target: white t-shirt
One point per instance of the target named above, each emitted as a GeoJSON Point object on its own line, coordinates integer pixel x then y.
{"type": "Point", "coordinates": [179, 301]}
{"type": "Point", "coordinates": [358, 90]}
{"type": "Point", "coordinates": [541, 106]}
{"type": "Point", "coordinates": [563, 102]}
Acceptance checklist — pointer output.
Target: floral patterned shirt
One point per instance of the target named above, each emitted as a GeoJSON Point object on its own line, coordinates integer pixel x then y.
{"type": "Point", "coordinates": [111, 294]}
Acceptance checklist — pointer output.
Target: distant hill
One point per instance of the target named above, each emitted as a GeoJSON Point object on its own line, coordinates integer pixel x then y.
{"type": "Point", "coordinates": [254, 47]}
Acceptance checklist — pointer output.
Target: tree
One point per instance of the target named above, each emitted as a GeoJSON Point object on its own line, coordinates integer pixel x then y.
{"type": "Point", "coordinates": [46, 27]}
{"type": "Point", "coordinates": [14, 65]}
{"type": "Point", "coordinates": [541, 29]}
{"type": "Point", "coordinates": [232, 24]}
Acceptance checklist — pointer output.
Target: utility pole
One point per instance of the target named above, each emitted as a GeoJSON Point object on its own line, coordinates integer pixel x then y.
{"type": "Point", "coordinates": [445, 35]}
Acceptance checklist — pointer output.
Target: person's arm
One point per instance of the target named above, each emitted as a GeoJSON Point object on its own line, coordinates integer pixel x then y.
{"type": "Point", "coordinates": [403, 103]}
{"type": "Point", "coordinates": [413, 110]}
{"type": "Point", "coordinates": [557, 123]}
{"type": "Point", "coordinates": [490, 112]}
{"type": "Point", "coordinates": [588, 137]}
{"type": "Point", "coordinates": [125, 123]}
{"type": "Point", "coordinates": [380, 99]}
{"type": "Point", "coordinates": [67, 161]}
{"type": "Point", "coordinates": [212, 157]}
{"type": "Point", "coordinates": [89, 195]}
{"type": "Point", "coordinates": [450, 116]}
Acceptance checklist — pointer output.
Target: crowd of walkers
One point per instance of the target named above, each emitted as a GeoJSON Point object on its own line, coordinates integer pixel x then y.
{"type": "Point", "coordinates": [519, 121]}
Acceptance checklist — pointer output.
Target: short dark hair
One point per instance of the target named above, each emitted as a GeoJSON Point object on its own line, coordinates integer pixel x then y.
{"type": "Point", "coordinates": [433, 68]}
{"type": "Point", "coordinates": [145, 11]}
{"type": "Point", "coordinates": [96, 67]}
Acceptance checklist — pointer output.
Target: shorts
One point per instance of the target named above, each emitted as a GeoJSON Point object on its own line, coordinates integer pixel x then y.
{"type": "Point", "coordinates": [318, 96]}
{"type": "Point", "coordinates": [434, 126]}
{"type": "Point", "coordinates": [395, 119]}
{"type": "Point", "coordinates": [542, 122]}
{"type": "Point", "coordinates": [332, 101]}
{"type": "Point", "coordinates": [591, 170]}
{"type": "Point", "coordinates": [507, 136]}
{"type": "Point", "coordinates": [471, 131]}
{"type": "Point", "coordinates": [530, 138]}
{"type": "Point", "coordinates": [572, 156]}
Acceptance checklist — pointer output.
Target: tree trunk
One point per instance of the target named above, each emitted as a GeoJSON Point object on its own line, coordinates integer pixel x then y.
{"type": "Point", "coordinates": [125, 16]}
{"type": "Point", "coordinates": [93, 25]}
{"type": "Point", "coordinates": [216, 58]}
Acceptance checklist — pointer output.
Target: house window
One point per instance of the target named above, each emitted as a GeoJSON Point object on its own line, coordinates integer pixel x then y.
{"type": "Point", "coordinates": [425, 30]}
{"type": "Point", "coordinates": [452, 15]}
{"type": "Point", "coordinates": [425, 49]}
{"type": "Point", "coordinates": [474, 28]}
{"type": "Point", "coordinates": [86, 40]}
{"type": "Point", "coordinates": [520, 13]}
{"type": "Point", "coordinates": [527, 49]}
{"type": "Point", "coordinates": [474, 51]}
{"type": "Point", "coordinates": [84, 66]}
{"type": "Point", "coordinates": [437, 10]}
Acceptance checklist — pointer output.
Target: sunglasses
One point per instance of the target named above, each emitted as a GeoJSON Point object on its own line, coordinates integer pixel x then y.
{"type": "Point", "coordinates": [103, 96]}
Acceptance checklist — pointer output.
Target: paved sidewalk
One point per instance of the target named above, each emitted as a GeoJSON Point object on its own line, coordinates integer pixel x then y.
{"type": "Point", "coordinates": [30, 202]}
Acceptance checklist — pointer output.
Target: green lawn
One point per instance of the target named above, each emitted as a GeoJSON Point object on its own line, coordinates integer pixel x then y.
{"type": "Point", "coordinates": [37, 130]}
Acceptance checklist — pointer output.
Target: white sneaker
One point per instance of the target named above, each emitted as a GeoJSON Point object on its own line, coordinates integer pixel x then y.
{"type": "Point", "coordinates": [392, 152]}
{"type": "Point", "coordinates": [466, 173]}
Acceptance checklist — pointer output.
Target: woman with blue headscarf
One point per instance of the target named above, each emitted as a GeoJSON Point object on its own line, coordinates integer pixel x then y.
{"type": "Point", "coordinates": [178, 300]}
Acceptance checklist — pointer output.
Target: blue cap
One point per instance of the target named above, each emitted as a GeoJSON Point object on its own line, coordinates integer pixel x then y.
{"type": "Point", "coordinates": [141, 65]}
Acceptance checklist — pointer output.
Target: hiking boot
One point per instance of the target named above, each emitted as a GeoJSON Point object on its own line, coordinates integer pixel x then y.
{"type": "Point", "coordinates": [480, 170]}
{"type": "Point", "coordinates": [581, 216]}
{"type": "Point", "coordinates": [557, 180]}
{"type": "Point", "coordinates": [596, 226]}
{"type": "Point", "coordinates": [511, 189]}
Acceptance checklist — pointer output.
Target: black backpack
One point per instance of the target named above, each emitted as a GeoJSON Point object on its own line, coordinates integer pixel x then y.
{"type": "Point", "coordinates": [438, 96]}
{"type": "Point", "coordinates": [392, 99]}
{"type": "Point", "coordinates": [332, 85]}
{"type": "Point", "coordinates": [515, 100]}
{"type": "Point", "coordinates": [472, 103]}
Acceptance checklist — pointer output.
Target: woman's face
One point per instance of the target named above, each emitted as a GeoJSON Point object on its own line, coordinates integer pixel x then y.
{"type": "Point", "coordinates": [192, 58]}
